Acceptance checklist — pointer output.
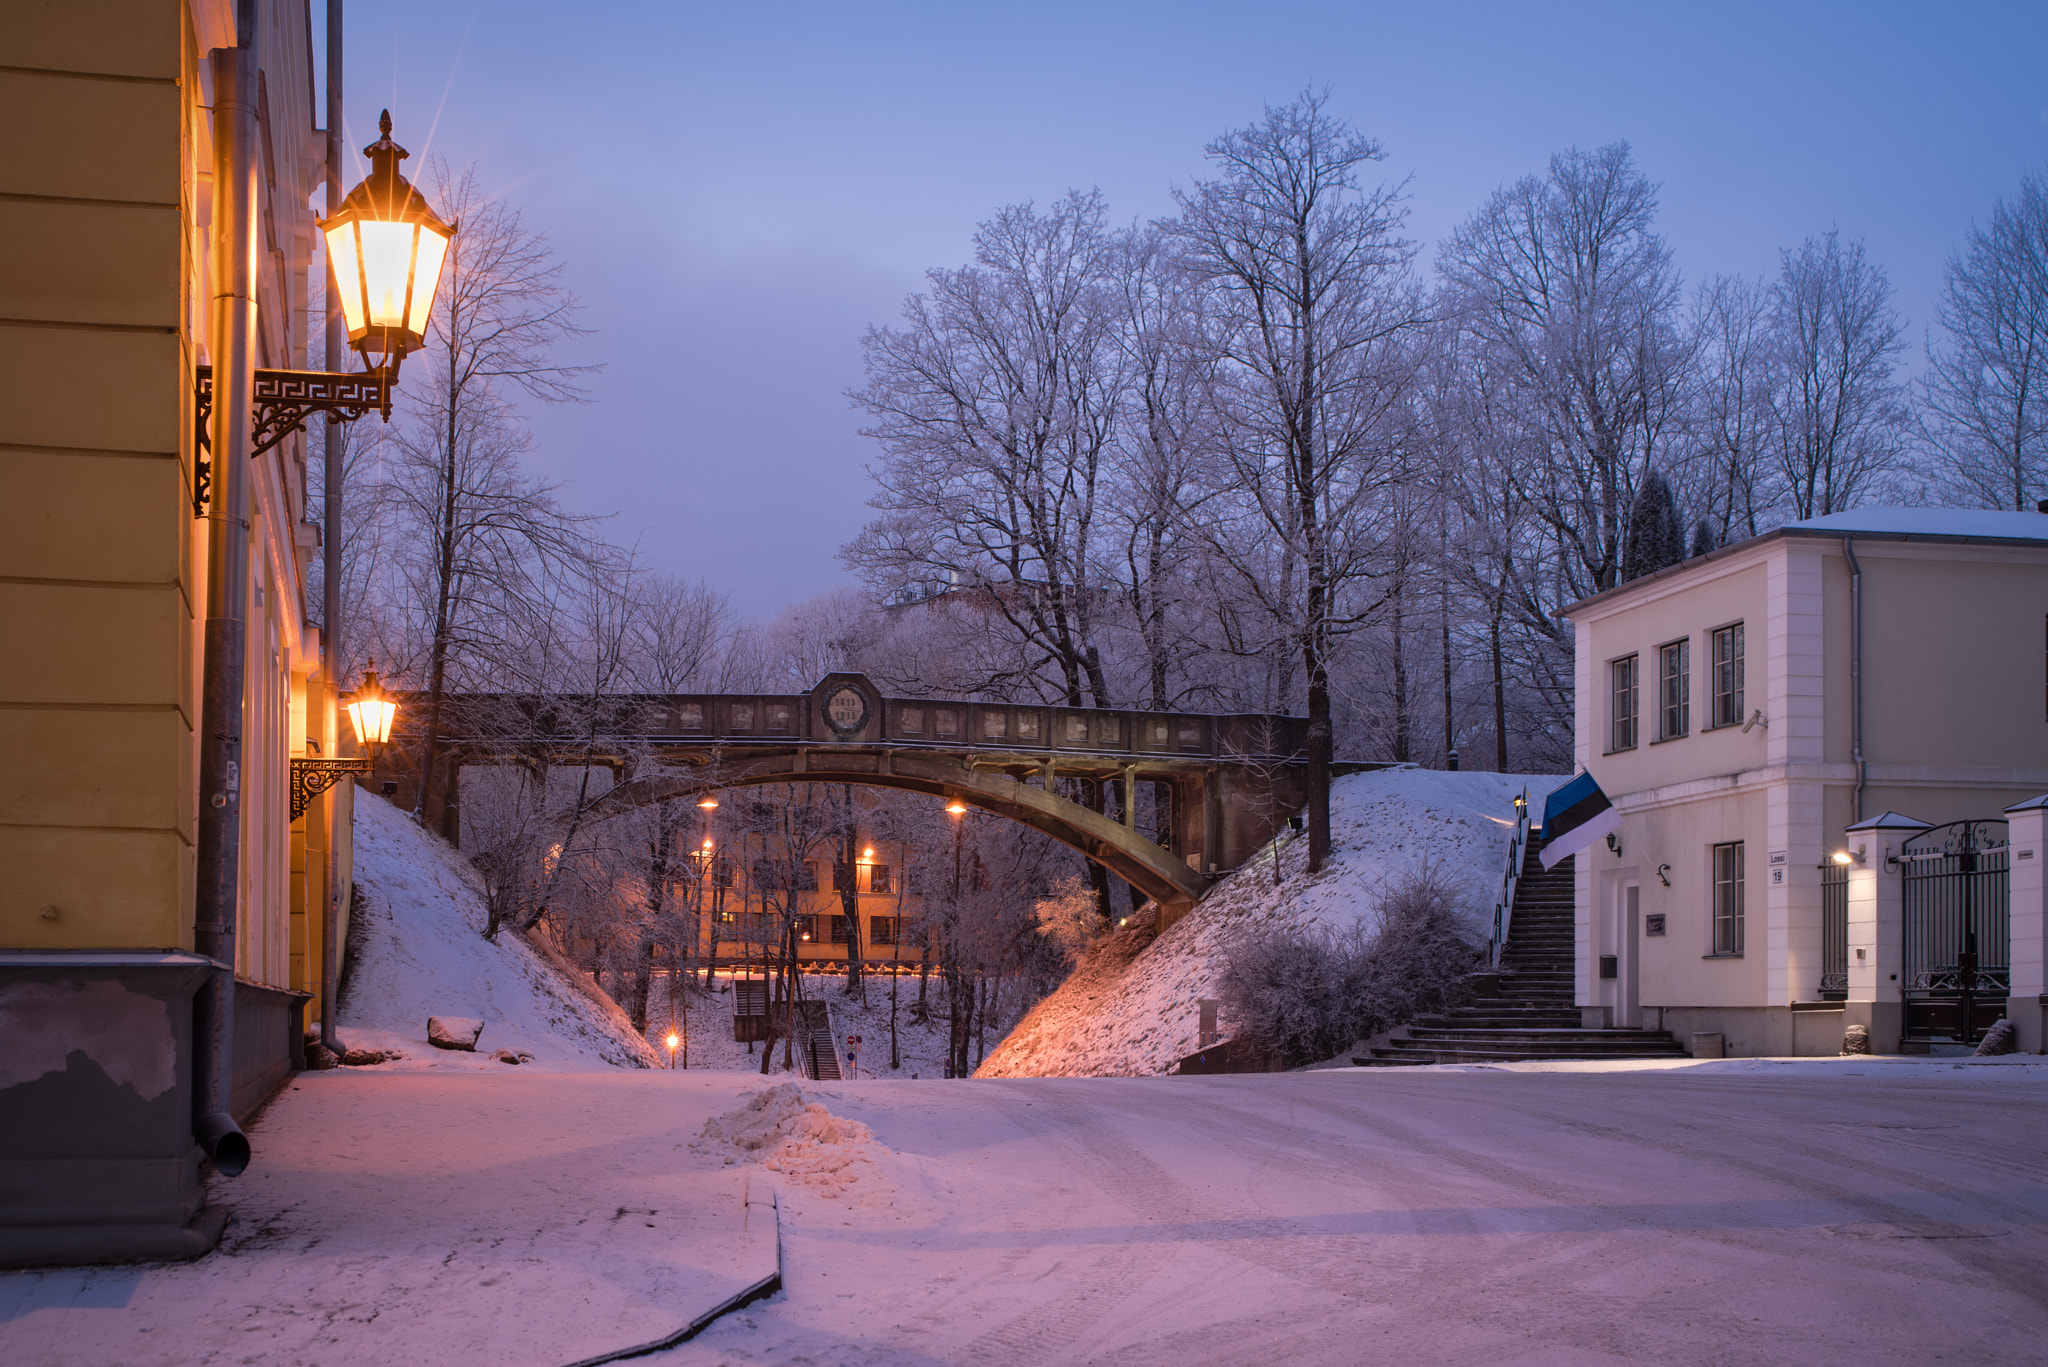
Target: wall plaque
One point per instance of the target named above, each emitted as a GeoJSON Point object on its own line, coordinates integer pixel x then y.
{"type": "Point", "coordinates": [846, 711]}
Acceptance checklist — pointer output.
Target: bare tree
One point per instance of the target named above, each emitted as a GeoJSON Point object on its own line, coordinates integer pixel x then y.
{"type": "Point", "coordinates": [1840, 412]}
{"type": "Point", "coordinates": [1737, 482]}
{"type": "Point", "coordinates": [479, 527]}
{"type": "Point", "coordinates": [994, 405]}
{"type": "Point", "coordinates": [1987, 380]}
{"type": "Point", "coordinates": [1309, 302]}
{"type": "Point", "coordinates": [1565, 279]}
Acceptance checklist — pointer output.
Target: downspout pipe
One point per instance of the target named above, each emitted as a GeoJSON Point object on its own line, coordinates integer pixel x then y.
{"type": "Point", "coordinates": [217, 895]}
{"type": "Point", "coordinates": [333, 449]}
{"type": "Point", "coordinates": [1855, 674]}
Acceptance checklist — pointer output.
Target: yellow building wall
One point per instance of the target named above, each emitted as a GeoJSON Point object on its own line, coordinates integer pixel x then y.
{"type": "Point", "coordinates": [95, 612]}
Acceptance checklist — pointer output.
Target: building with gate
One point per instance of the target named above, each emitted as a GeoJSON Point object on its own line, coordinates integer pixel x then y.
{"type": "Point", "coordinates": [1813, 737]}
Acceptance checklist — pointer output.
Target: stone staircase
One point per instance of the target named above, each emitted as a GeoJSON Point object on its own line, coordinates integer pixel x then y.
{"type": "Point", "coordinates": [1525, 1011]}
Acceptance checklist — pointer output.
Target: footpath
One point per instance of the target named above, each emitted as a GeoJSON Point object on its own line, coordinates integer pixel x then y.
{"type": "Point", "coordinates": [515, 1220]}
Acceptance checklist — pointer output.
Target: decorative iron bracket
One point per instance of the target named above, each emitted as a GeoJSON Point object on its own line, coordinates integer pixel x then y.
{"type": "Point", "coordinates": [283, 400]}
{"type": "Point", "coordinates": [312, 777]}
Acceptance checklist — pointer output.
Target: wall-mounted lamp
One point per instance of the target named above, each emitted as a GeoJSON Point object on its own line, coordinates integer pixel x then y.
{"type": "Point", "coordinates": [1663, 869]}
{"type": "Point", "coordinates": [1848, 857]}
{"type": "Point", "coordinates": [1614, 843]}
{"type": "Point", "coordinates": [370, 713]}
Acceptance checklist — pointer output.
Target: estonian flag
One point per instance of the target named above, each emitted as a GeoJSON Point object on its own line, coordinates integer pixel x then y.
{"type": "Point", "coordinates": [1574, 817]}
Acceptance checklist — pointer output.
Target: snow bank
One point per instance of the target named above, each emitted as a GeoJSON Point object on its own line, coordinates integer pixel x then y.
{"type": "Point", "coordinates": [801, 1140]}
{"type": "Point", "coordinates": [1132, 1008]}
{"type": "Point", "coordinates": [420, 952]}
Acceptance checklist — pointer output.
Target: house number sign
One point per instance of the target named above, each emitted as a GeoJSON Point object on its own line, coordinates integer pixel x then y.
{"type": "Point", "coordinates": [846, 710]}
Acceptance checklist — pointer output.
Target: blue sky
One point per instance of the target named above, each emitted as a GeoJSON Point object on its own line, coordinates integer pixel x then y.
{"type": "Point", "coordinates": [739, 189]}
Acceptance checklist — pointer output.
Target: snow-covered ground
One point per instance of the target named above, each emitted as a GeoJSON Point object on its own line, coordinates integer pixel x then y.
{"type": "Point", "coordinates": [420, 952]}
{"type": "Point", "coordinates": [1891, 1214]}
{"type": "Point", "coordinates": [1134, 1008]}
{"type": "Point", "coordinates": [1734, 1211]}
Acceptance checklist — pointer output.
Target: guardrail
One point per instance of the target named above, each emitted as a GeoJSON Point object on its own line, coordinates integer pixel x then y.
{"type": "Point", "coordinates": [1504, 905]}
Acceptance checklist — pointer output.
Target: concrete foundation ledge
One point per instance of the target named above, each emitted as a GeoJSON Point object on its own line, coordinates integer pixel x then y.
{"type": "Point", "coordinates": [33, 1246]}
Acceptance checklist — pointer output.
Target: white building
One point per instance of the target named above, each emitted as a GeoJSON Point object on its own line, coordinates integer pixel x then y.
{"type": "Point", "coordinates": [1745, 710]}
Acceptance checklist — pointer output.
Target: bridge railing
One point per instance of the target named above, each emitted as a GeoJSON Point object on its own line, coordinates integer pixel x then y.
{"type": "Point", "coordinates": [924, 723]}
{"type": "Point", "coordinates": [1504, 905]}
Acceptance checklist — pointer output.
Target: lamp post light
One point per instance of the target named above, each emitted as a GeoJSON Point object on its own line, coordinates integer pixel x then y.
{"type": "Point", "coordinates": [386, 246]}
{"type": "Point", "coordinates": [673, 1040]}
{"type": "Point", "coordinates": [385, 250]}
{"type": "Point", "coordinates": [370, 714]}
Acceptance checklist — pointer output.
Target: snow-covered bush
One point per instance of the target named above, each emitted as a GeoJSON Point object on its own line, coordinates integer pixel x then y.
{"type": "Point", "coordinates": [1304, 993]}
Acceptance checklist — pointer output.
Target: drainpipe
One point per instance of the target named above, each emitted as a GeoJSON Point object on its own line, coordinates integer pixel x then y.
{"type": "Point", "coordinates": [332, 450]}
{"type": "Point", "coordinates": [1855, 673]}
{"type": "Point", "coordinates": [217, 895]}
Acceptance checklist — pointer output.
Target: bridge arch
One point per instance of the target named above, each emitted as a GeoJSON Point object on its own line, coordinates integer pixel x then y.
{"type": "Point", "coordinates": [1168, 879]}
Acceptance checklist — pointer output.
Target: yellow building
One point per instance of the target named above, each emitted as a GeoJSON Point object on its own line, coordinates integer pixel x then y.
{"type": "Point", "coordinates": [117, 222]}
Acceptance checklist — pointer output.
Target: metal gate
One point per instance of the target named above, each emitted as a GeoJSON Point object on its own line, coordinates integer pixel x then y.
{"type": "Point", "coordinates": [1958, 951]}
{"type": "Point", "coordinates": [1834, 932]}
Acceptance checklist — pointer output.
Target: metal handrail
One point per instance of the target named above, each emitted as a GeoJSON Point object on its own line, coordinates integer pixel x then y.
{"type": "Point", "coordinates": [1504, 906]}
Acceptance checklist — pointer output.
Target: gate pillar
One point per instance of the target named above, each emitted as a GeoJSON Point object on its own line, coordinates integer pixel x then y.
{"type": "Point", "coordinates": [2027, 867]}
{"type": "Point", "coordinates": [1877, 929]}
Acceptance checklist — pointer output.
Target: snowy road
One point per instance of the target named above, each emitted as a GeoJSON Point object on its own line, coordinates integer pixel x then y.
{"type": "Point", "coordinates": [1440, 1217]}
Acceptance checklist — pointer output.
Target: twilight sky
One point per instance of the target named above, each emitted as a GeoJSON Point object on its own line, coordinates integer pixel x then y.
{"type": "Point", "coordinates": [738, 189]}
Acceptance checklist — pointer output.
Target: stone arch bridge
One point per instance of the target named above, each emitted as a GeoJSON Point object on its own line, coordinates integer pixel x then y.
{"type": "Point", "coordinates": [1225, 783]}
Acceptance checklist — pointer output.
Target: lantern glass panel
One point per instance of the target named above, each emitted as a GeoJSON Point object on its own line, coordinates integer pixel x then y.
{"type": "Point", "coordinates": [433, 248]}
{"type": "Point", "coordinates": [387, 261]}
{"type": "Point", "coordinates": [371, 719]}
{"type": "Point", "coordinates": [348, 288]}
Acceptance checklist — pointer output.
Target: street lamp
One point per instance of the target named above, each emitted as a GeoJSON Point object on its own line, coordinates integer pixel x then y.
{"type": "Point", "coordinates": [385, 250]}
{"type": "Point", "coordinates": [370, 714]}
{"type": "Point", "coordinates": [673, 1040]}
{"type": "Point", "coordinates": [386, 245]}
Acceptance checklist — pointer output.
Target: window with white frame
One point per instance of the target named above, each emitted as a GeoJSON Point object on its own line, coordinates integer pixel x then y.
{"type": "Point", "coordinates": [1674, 690]}
{"type": "Point", "coordinates": [1728, 676]}
{"type": "Point", "coordinates": [1622, 676]}
{"type": "Point", "coordinates": [1728, 898]}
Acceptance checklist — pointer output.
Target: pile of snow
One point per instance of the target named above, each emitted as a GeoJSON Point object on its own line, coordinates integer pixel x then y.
{"type": "Point", "coordinates": [1132, 1008]}
{"type": "Point", "coordinates": [802, 1140]}
{"type": "Point", "coordinates": [418, 951]}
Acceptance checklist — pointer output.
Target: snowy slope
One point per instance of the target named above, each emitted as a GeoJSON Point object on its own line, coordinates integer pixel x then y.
{"type": "Point", "coordinates": [1132, 1009]}
{"type": "Point", "coordinates": [421, 953]}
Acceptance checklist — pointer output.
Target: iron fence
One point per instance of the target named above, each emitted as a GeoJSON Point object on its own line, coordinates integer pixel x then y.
{"type": "Point", "coordinates": [1957, 914]}
{"type": "Point", "coordinates": [1834, 932]}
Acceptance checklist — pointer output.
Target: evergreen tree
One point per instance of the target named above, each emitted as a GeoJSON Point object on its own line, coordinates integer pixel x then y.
{"type": "Point", "coordinates": [1656, 536]}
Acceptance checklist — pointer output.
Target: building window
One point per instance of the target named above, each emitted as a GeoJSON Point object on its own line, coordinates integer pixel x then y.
{"type": "Point", "coordinates": [882, 930]}
{"type": "Point", "coordinates": [878, 878]}
{"type": "Point", "coordinates": [842, 926]}
{"type": "Point", "coordinates": [1728, 676]}
{"type": "Point", "coordinates": [1674, 690]}
{"type": "Point", "coordinates": [1623, 675]}
{"type": "Point", "coordinates": [1728, 898]}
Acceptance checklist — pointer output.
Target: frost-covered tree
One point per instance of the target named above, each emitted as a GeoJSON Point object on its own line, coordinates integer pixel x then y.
{"type": "Point", "coordinates": [1839, 409]}
{"type": "Point", "coordinates": [1309, 307]}
{"type": "Point", "coordinates": [1986, 385]}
